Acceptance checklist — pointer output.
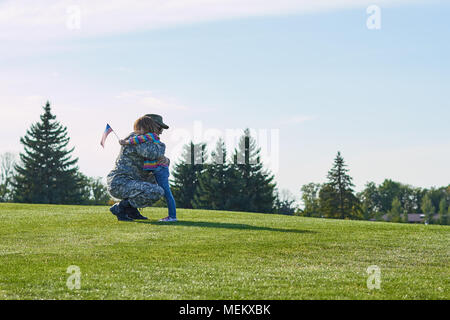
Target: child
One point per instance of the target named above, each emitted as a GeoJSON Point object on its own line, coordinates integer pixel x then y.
{"type": "Point", "coordinates": [159, 168]}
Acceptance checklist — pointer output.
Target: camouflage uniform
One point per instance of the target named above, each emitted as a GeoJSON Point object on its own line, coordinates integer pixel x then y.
{"type": "Point", "coordinates": [129, 181]}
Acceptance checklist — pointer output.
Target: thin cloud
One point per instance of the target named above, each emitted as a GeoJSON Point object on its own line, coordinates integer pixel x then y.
{"type": "Point", "coordinates": [48, 19]}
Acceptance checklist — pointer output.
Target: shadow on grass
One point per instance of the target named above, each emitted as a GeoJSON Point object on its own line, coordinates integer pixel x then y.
{"type": "Point", "coordinates": [220, 225]}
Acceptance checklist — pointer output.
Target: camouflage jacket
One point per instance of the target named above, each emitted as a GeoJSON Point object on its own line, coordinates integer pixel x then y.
{"type": "Point", "coordinates": [131, 158]}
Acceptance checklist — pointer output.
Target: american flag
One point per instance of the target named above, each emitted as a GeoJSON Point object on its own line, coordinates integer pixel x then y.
{"type": "Point", "coordinates": [108, 130]}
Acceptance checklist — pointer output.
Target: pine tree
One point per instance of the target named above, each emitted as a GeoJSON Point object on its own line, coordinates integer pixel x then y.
{"type": "Point", "coordinates": [253, 186]}
{"type": "Point", "coordinates": [47, 173]}
{"type": "Point", "coordinates": [186, 174]}
{"type": "Point", "coordinates": [339, 194]}
{"type": "Point", "coordinates": [214, 186]}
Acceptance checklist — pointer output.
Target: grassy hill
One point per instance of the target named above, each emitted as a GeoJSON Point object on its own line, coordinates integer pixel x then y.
{"type": "Point", "coordinates": [215, 255]}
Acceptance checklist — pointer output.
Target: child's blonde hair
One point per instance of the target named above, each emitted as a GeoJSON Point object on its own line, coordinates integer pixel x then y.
{"type": "Point", "coordinates": [147, 124]}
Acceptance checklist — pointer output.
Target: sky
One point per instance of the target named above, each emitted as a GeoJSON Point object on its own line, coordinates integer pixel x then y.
{"type": "Point", "coordinates": [310, 78]}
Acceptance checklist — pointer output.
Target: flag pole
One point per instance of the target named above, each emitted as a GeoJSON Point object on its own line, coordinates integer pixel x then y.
{"type": "Point", "coordinates": [115, 134]}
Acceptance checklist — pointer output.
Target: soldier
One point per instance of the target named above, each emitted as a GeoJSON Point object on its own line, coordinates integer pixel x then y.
{"type": "Point", "coordinates": [159, 170]}
{"type": "Point", "coordinates": [136, 187]}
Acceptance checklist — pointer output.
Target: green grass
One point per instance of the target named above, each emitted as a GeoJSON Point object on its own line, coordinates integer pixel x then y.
{"type": "Point", "coordinates": [215, 255]}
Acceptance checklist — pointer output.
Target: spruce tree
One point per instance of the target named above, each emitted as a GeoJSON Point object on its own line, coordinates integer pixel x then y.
{"type": "Point", "coordinates": [253, 187]}
{"type": "Point", "coordinates": [213, 189]}
{"type": "Point", "coordinates": [186, 174]}
{"type": "Point", "coordinates": [47, 172]}
{"type": "Point", "coordinates": [328, 202]}
{"type": "Point", "coordinates": [340, 195]}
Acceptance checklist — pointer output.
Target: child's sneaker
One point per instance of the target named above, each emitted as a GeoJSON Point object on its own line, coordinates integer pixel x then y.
{"type": "Point", "coordinates": [168, 219]}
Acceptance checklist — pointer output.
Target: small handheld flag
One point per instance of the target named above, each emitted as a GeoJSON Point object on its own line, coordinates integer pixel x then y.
{"type": "Point", "coordinates": [108, 130]}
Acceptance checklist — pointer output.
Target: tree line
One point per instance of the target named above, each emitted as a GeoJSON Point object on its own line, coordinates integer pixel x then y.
{"type": "Point", "coordinates": [46, 172]}
{"type": "Point", "coordinates": [390, 200]}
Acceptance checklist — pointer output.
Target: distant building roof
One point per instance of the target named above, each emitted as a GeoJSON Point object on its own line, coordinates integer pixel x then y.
{"type": "Point", "coordinates": [414, 217]}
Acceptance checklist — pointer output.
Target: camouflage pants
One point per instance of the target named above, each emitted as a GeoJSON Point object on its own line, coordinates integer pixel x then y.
{"type": "Point", "coordinates": [140, 194]}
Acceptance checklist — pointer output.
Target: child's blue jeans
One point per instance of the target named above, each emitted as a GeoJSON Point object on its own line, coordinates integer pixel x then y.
{"type": "Point", "coordinates": [161, 174]}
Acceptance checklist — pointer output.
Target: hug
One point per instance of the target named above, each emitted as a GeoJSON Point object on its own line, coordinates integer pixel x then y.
{"type": "Point", "coordinates": [141, 173]}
